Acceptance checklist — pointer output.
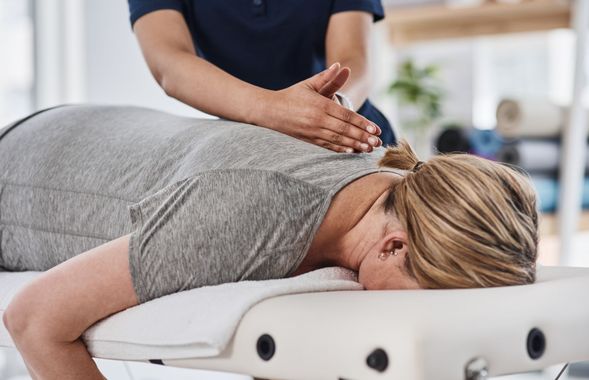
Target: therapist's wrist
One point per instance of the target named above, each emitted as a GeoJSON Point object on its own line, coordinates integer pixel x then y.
{"type": "Point", "coordinates": [257, 102]}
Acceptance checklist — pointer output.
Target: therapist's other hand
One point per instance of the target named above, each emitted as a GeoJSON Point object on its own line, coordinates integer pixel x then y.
{"type": "Point", "coordinates": [330, 88]}
{"type": "Point", "coordinates": [306, 111]}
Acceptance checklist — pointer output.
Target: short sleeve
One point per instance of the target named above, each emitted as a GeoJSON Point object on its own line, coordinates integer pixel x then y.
{"type": "Point", "coordinates": [139, 8]}
{"type": "Point", "coordinates": [370, 6]}
{"type": "Point", "coordinates": [217, 227]}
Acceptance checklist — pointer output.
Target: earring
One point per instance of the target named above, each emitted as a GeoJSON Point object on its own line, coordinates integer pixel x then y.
{"type": "Point", "coordinates": [385, 255]}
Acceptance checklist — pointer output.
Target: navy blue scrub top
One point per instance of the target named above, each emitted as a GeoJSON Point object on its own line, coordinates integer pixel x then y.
{"type": "Point", "coordinates": [272, 44]}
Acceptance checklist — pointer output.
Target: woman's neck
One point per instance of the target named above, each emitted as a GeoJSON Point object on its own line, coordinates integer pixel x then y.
{"type": "Point", "coordinates": [350, 224]}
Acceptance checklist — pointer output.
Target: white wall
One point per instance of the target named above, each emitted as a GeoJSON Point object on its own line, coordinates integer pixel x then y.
{"type": "Point", "coordinates": [87, 52]}
{"type": "Point", "coordinates": [16, 57]}
{"type": "Point", "coordinates": [115, 70]}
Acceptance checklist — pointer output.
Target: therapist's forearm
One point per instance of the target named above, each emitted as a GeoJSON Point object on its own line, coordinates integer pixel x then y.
{"type": "Point", "coordinates": [198, 83]}
{"type": "Point", "coordinates": [357, 88]}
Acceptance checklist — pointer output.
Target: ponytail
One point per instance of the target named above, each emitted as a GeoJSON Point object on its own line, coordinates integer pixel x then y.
{"type": "Point", "coordinates": [400, 156]}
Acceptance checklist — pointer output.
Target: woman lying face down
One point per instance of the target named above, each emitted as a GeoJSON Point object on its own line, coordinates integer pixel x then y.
{"type": "Point", "coordinates": [216, 201]}
{"type": "Point", "coordinates": [455, 221]}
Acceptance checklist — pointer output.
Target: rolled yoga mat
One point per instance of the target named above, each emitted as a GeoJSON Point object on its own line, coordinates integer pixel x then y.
{"type": "Point", "coordinates": [547, 189]}
{"type": "Point", "coordinates": [534, 156]}
{"type": "Point", "coordinates": [529, 118]}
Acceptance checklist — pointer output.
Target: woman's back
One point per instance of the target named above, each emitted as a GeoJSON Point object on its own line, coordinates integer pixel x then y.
{"type": "Point", "coordinates": [226, 191]}
{"type": "Point", "coordinates": [130, 152]}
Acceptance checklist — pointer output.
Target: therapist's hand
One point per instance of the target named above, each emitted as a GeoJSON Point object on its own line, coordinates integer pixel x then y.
{"type": "Point", "coordinates": [306, 111]}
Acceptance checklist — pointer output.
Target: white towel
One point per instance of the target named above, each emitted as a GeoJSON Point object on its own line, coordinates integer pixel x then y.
{"type": "Point", "coordinates": [198, 322]}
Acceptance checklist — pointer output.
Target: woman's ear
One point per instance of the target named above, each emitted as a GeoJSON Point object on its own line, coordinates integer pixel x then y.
{"type": "Point", "coordinates": [394, 241]}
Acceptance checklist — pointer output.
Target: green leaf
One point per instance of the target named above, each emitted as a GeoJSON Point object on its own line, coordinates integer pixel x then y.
{"type": "Point", "coordinates": [420, 87]}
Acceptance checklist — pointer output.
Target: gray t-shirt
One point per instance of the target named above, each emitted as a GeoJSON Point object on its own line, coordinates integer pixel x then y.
{"type": "Point", "coordinates": [209, 201]}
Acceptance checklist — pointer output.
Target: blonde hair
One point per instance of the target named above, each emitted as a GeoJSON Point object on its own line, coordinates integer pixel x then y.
{"type": "Point", "coordinates": [470, 222]}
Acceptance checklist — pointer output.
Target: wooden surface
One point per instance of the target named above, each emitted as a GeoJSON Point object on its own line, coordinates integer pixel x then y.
{"type": "Point", "coordinates": [549, 223]}
{"type": "Point", "coordinates": [424, 23]}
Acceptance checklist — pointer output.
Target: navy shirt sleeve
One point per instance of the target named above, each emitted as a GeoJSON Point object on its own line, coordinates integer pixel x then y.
{"type": "Point", "coordinates": [370, 6]}
{"type": "Point", "coordinates": [138, 8]}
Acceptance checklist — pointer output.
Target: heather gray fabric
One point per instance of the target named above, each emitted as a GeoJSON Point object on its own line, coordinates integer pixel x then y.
{"type": "Point", "coordinates": [205, 201]}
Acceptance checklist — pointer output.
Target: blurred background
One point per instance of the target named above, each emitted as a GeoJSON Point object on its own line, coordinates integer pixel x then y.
{"type": "Point", "coordinates": [501, 79]}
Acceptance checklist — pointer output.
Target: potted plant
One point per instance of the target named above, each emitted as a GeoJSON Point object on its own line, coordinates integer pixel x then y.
{"type": "Point", "coordinates": [420, 95]}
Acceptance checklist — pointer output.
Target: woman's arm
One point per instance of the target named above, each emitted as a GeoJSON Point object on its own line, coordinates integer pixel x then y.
{"type": "Point", "coordinates": [47, 317]}
{"type": "Point", "coordinates": [348, 42]}
{"type": "Point", "coordinates": [300, 110]}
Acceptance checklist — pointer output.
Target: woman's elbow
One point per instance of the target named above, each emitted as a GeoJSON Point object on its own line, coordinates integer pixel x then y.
{"type": "Point", "coordinates": [30, 315]}
{"type": "Point", "coordinates": [21, 320]}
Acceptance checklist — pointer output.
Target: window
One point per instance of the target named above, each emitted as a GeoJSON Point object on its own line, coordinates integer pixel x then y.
{"type": "Point", "coordinates": [17, 62]}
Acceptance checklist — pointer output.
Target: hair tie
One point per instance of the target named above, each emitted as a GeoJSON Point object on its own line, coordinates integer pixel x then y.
{"type": "Point", "coordinates": [417, 166]}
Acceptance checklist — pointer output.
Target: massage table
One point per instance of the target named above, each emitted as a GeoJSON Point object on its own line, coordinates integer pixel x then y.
{"type": "Point", "coordinates": [363, 335]}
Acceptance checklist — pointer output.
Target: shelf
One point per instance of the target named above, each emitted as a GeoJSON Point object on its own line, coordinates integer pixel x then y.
{"type": "Point", "coordinates": [433, 22]}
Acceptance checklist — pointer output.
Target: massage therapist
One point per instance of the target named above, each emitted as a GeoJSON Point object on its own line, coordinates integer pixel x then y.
{"type": "Point", "coordinates": [264, 62]}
